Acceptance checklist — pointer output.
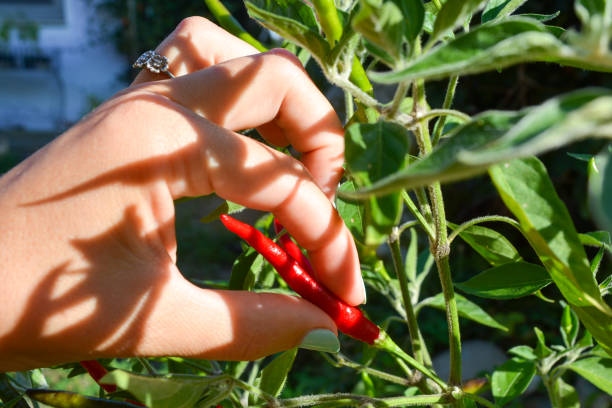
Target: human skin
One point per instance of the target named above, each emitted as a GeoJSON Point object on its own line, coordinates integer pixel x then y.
{"type": "Point", "coordinates": [88, 243]}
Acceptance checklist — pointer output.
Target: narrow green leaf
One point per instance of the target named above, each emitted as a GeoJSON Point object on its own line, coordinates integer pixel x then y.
{"type": "Point", "coordinates": [496, 136]}
{"type": "Point", "coordinates": [596, 238]}
{"type": "Point", "coordinates": [453, 14]}
{"type": "Point", "coordinates": [541, 350]}
{"type": "Point", "coordinates": [490, 244]}
{"type": "Point", "coordinates": [597, 261]}
{"type": "Point", "coordinates": [497, 9]}
{"type": "Point", "coordinates": [507, 281]}
{"type": "Point", "coordinates": [293, 20]}
{"type": "Point", "coordinates": [511, 379]}
{"type": "Point", "coordinates": [569, 326]}
{"type": "Point", "coordinates": [600, 190]}
{"type": "Point", "coordinates": [586, 340]}
{"type": "Point", "coordinates": [372, 152]}
{"type": "Point", "coordinates": [467, 310]}
{"type": "Point", "coordinates": [274, 375]}
{"type": "Point", "coordinates": [541, 17]}
{"type": "Point", "coordinates": [160, 392]}
{"type": "Point", "coordinates": [566, 394]}
{"type": "Point", "coordinates": [410, 265]}
{"type": "Point", "coordinates": [488, 47]}
{"type": "Point", "coordinates": [227, 207]}
{"type": "Point", "coordinates": [597, 370]}
{"type": "Point", "coordinates": [527, 191]}
{"type": "Point", "coordinates": [525, 352]}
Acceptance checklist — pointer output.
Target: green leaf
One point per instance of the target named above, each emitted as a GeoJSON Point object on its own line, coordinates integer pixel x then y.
{"type": "Point", "coordinates": [66, 399]}
{"type": "Point", "coordinates": [507, 281]}
{"type": "Point", "coordinates": [541, 17]}
{"type": "Point", "coordinates": [388, 23]}
{"type": "Point", "coordinates": [160, 392]}
{"type": "Point", "coordinates": [453, 14]}
{"type": "Point", "coordinates": [410, 265]}
{"type": "Point", "coordinates": [492, 46]}
{"type": "Point", "coordinates": [569, 326]}
{"type": "Point", "coordinates": [497, 9]}
{"type": "Point", "coordinates": [527, 191]}
{"type": "Point", "coordinates": [525, 352]}
{"type": "Point", "coordinates": [227, 207]}
{"type": "Point", "coordinates": [596, 238]}
{"type": "Point", "coordinates": [293, 20]}
{"type": "Point", "coordinates": [566, 394]}
{"type": "Point", "coordinates": [373, 151]}
{"type": "Point", "coordinates": [541, 350]}
{"type": "Point", "coordinates": [430, 16]}
{"type": "Point", "coordinates": [490, 244]}
{"type": "Point", "coordinates": [353, 213]}
{"type": "Point", "coordinates": [597, 370]}
{"type": "Point", "coordinates": [274, 375]}
{"type": "Point", "coordinates": [597, 261]}
{"type": "Point", "coordinates": [511, 379]}
{"type": "Point", "coordinates": [245, 269]}
{"type": "Point", "coordinates": [496, 136]}
{"type": "Point", "coordinates": [600, 190]}
{"type": "Point", "coordinates": [467, 309]}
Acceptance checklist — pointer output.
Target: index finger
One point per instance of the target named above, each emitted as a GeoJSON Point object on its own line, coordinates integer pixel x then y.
{"type": "Point", "coordinates": [196, 43]}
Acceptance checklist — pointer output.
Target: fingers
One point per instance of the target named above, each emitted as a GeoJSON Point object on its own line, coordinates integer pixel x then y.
{"type": "Point", "coordinates": [273, 92]}
{"type": "Point", "coordinates": [200, 157]}
{"type": "Point", "coordinates": [196, 43]}
{"type": "Point", "coordinates": [227, 325]}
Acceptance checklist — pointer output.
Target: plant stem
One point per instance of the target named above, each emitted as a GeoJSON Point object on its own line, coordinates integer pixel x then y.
{"type": "Point", "coordinates": [344, 361]}
{"type": "Point", "coordinates": [448, 101]}
{"type": "Point", "coordinates": [349, 106]}
{"type": "Point", "coordinates": [478, 220]}
{"type": "Point", "coordinates": [482, 401]}
{"type": "Point", "coordinates": [227, 21]}
{"type": "Point", "coordinates": [147, 365]}
{"type": "Point", "coordinates": [417, 214]}
{"type": "Point", "coordinates": [384, 342]}
{"type": "Point", "coordinates": [413, 328]}
{"type": "Point", "coordinates": [440, 247]}
{"type": "Point", "coordinates": [360, 400]}
{"type": "Point", "coordinates": [400, 93]}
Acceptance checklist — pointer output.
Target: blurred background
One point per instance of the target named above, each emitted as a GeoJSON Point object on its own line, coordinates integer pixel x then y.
{"type": "Point", "coordinates": [59, 59]}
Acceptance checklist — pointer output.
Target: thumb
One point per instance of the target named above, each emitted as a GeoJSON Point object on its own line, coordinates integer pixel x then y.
{"type": "Point", "coordinates": [233, 325]}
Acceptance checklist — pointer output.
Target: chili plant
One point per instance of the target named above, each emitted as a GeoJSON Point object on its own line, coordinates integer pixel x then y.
{"type": "Point", "coordinates": [398, 156]}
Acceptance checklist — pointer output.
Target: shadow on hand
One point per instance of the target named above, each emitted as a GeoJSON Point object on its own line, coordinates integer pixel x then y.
{"type": "Point", "coordinates": [105, 310]}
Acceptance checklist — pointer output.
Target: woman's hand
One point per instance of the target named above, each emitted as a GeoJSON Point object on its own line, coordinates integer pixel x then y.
{"type": "Point", "coordinates": [88, 244]}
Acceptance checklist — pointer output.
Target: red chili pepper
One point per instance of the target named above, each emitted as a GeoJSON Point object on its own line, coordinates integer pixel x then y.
{"type": "Point", "coordinates": [97, 371]}
{"type": "Point", "coordinates": [292, 249]}
{"type": "Point", "coordinates": [349, 319]}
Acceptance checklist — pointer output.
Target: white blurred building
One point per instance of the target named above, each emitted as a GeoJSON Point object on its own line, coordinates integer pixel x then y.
{"type": "Point", "coordinates": [50, 82]}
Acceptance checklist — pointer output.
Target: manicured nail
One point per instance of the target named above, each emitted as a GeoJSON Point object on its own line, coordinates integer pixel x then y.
{"type": "Point", "coordinates": [321, 340]}
{"type": "Point", "coordinates": [365, 296]}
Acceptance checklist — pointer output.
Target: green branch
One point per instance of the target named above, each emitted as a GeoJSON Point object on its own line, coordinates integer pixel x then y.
{"type": "Point", "coordinates": [227, 21]}
{"type": "Point", "coordinates": [479, 220]}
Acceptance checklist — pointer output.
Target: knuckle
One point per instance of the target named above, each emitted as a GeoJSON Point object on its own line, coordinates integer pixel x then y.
{"type": "Point", "coordinates": [193, 24]}
{"type": "Point", "coordinates": [284, 63]}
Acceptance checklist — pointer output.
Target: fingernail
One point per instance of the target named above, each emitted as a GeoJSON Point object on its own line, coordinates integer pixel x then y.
{"type": "Point", "coordinates": [365, 297]}
{"type": "Point", "coordinates": [321, 340]}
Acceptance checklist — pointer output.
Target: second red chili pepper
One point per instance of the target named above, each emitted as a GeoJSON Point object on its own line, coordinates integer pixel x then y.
{"type": "Point", "coordinates": [349, 319]}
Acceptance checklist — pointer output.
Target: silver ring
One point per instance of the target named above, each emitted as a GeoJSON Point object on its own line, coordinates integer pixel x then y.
{"type": "Point", "coordinates": [154, 62]}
